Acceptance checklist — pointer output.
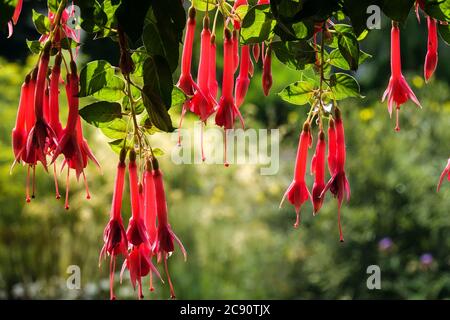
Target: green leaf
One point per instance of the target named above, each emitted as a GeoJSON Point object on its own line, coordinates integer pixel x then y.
{"type": "Point", "coordinates": [34, 46]}
{"type": "Point", "coordinates": [344, 86]}
{"type": "Point", "coordinates": [139, 57]}
{"type": "Point", "coordinates": [356, 10]}
{"type": "Point", "coordinates": [202, 5]}
{"type": "Point", "coordinates": [53, 5]}
{"type": "Point", "coordinates": [439, 10]}
{"type": "Point", "coordinates": [41, 22]}
{"type": "Point", "coordinates": [178, 97]}
{"type": "Point", "coordinates": [158, 152]}
{"type": "Point", "coordinates": [131, 16]}
{"type": "Point", "coordinates": [116, 129]}
{"type": "Point", "coordinates": [397, 10]}
{"type": "Point", "coordinates": [294, 54]}
{"type": "Point", "coordinates": [100, 75]}
{"type": "Point", "coordinates": [158, 42]}
{"type": "Point", "coordinates": [298, 93]}
{"type": "Point", "coordinates": [336, 59]}
{"type": "Point", "coordinates": [349, 47]}
{"type": "Point", "coordinates": [101, 113]}
{"type": "Point", "coordinates": [258, 25]}
{"type": "Point", "coordinates": [156, 110]}
{"type": "Point", "coordinates": [158, 77]}
{"type": "Point", "coordinates": [118, 144]}
{"type": "Point", "coordinates": [444, 31]}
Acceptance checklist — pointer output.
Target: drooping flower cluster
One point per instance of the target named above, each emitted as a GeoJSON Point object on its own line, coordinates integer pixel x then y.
{"type": "Point", "coordinates": [298, 193]}
{"type": "Point", "coordinates": [431, 59]}
{"type": "Point", "coordinates": [38, 135]}
{"type": "Point", "coordinates": [203, 93]}
{"type": "Point", "coordinates": [149, 233]}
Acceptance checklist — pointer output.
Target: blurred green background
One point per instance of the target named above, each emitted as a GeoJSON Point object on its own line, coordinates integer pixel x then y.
{"type": "Point", "coordinates": [240, 245]}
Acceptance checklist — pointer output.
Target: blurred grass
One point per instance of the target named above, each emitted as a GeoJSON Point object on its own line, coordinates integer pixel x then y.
{"type": "Point", "coordinates": [240, 245]}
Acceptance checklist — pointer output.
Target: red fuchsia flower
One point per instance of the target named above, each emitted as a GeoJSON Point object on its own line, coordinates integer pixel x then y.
{"type": "Point", "coordinates": [338, 183]}
{"type": "Point", "coordinates": [297, 193]}
{"type": "Point", "coordinates": [261, 2]}
{"type": "Point", "coordinates": [138, 262]}
{"type": "Point", "coordinates": [318, 170]}
{"type": "Point", "coordinates": [136, 232]}
{"type": "Point", "coordinates": [227, 112]}
{"type": "Point", "coordinates": [203, 103]}
{"type": "Point", "coordinates": [71, 143]}
{"type": "Point", "coordinates": [398, 90]}
{"type": "Point", "coordinates": [243, 80]}
{"type": "Point", "coordinates": [114, 236]}
{"type": "Point", "coordinates": [139, 265]}
{"type": "Point", "coordinates": [15, 17]}
{"type": "Point", "coordinates": [256, 49]}
{"type": "Point", "coordinates": [444, 173]}
{"type": "Point", "coordinates": [41, 134]}
{"type": "Point", "coordinates": [421, 5]}
{"type": "Point", "coordinates": [66, 30]}
{"type": "Point", "coordinates": [150, 212]}
{"type": "Point", "coordinates": [331, 147]}
{"type": "Point", "coordinates": [186, 82]}
{"type": "Point", "coordinates": [54, 120]}
{"type": "Point", "coordinates": [431, 58]}
{"type": "Point", "coordinates": [212, 79]}
{"type": "Point", "coordinates": [29, 114]}
{"type": "Point", "coordinates": [235, 40]}
{"type": "Point", "coordinates": [19, 132]}
{"type": "Point", "coordinates": [267, 72]}
{"type": "Point", "coordinates": [166, 237]}
{"type": "Point", "coordinates": [46, 104]}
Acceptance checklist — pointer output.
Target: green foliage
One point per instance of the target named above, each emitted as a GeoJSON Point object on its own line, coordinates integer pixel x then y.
{"type": "Point", "coordinates": [258, 25]}
{"type": "Point", "coordinates": [99, 76]}
{"type": "Point", "coordinates": [101, 113]}
{"type": "Point", "coordinates": [41, 22]}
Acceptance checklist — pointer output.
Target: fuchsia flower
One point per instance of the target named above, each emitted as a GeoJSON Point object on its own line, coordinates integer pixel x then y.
{"type": "Point", "coordinates": [331, 147]}
{"type": "Point", "coordinates": [297, 193]}
{"type": "Point", "coordinates": [138, 261]}
{"type": "Point", "coordinates": [19, 132]}
{"type": "Point", "coordinates": [256, 49]}
{"type": "Point", "coordinates": [41, 134]}
{"type": "Point", "coordinates": [150, 212]}
{"type": "Point", "coordinates": [261, 2]}
{"type": "Point", "coordinates": [203, 103]}
{"type": "Point", "coordinates": [318, 170]}
{"type": "Point", "coordinates": [398, 90]}
{"type": "Point", "coordinates": [71, 142]}
{"type": "Point", "coordinates": [338, 183]}
{"type": "Point", "coordinates": [15, 17]}
{"type": "Point", "coordinates": [66, 31]}
{"type": "Point", "coordinates": [235, 41]}
{"type": "Point", "coordinates": [186, 82]}
{"type": "Point", "coordinates": [267, 72]}
{"type": "Point", "coordinates": [136, 232]}
{"type": "Point", "coordinates": [431, 58]}
{"type": "Point", "coordinates": [54, 120]}
{"type": "Point", "coordinates": [114, 236]}
{"type": "Point", "coordinates": [243, 80]}
{"type": "Point", "coordinates": [166, 237]}
{"type": "Point", "coordinates": [227, 112]}
{"type": "Point", "coordinates": [212, 80]}
{"type": "Point", "coordinates": [444, 173]}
